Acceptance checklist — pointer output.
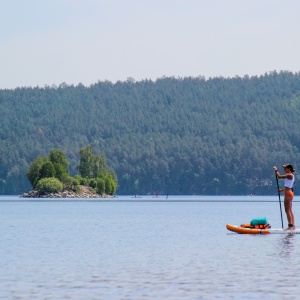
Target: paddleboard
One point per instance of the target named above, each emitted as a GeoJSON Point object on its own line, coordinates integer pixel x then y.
{"type": "Point", "coordinates": [243, 230]}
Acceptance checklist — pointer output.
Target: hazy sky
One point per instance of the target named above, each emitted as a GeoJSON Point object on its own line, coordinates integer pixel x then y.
{"type": "Point", "coordinates": [54, 41]}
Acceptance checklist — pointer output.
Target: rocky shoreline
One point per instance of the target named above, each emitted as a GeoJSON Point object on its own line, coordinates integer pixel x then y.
{"type": "Point", "coordinates": [85, 192]}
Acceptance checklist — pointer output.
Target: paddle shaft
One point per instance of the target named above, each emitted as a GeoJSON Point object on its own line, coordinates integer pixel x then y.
{"type": "Point", "coordinates": [279, 199]}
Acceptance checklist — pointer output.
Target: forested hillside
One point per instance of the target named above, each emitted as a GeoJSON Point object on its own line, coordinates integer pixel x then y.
{"type": "Point", "coordinates": [169, 136]}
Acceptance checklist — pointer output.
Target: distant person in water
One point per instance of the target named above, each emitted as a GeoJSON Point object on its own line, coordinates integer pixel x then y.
{"type": "Point", "coordinates": [289, 179]}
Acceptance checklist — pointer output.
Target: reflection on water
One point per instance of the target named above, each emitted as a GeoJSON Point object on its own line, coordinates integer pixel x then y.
{"type": "Point", "coordinates": [287, 244]}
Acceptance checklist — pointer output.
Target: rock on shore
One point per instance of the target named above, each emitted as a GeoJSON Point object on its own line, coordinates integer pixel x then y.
{"type": "Point", "coordinates": [85, 192]}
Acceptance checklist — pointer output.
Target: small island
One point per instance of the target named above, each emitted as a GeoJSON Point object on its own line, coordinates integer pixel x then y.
{"type": "Point", "coordinates": [50, 178]}
{"type": "Point", "coordinates": [83, 192]}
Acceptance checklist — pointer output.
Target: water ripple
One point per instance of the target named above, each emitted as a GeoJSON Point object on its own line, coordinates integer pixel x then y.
{"type": "Point", "coordinates": [143, 251]}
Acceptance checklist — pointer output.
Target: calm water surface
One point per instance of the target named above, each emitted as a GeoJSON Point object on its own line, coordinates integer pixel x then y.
{"type": "Point", "coordinates": [145, 250]}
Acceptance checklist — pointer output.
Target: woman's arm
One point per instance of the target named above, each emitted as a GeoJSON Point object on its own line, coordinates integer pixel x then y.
{"type": "Point", "coordinates": [284, 176]}
{"type": "Point", "coordinates": [289, 176]}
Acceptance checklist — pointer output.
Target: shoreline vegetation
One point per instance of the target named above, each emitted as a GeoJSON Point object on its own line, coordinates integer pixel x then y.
{"type": "Point", "coordinates": [175, 135]}
{"type": "Point", "coordinates": [83, 192]}
{"type": "Point", "coordinates": [50, 177]}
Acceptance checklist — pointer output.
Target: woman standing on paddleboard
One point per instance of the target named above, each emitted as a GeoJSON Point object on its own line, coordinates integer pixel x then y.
{"type": "Point", "coordinates": [289, 179]}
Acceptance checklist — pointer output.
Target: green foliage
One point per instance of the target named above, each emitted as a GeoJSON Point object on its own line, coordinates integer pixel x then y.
{"type": "Point", "coordinates": [75, 182]}
{"type": "Point", "coordinates": [49, 185]}
{"type": "Point", "coordinates": [110, 185]}
{"type": "Point", "coordinates": [100, 186]}
{"type": "Point", "coordinates": [94, 169]}
{"type": "Point", "coordinates": [175, 136]}
{"type": "Point", "coordinates": [91, 165]}
{"type": "Point", "coordinates": [58, 157]}
{"type": "Point", "coordinates": [86, 162]}
{"type": "Point", "coordinates": [47, 170]}
{"type": "Point", "coordinates": [67, 182]}
{"type": "Point", "coordinates": [34, 173]}
{"type": "Point", "coordinates": [60, 163]}
{"type": "Point", "coordinates": [54, 166]}
{"type": "Point", "coordinates": [80, 180]}
{"type": "Point", "coordinates": [92, 183]}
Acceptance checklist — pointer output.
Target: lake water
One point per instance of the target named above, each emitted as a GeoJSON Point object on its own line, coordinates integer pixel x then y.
{"type": "Point", "coordinates": [145, 249]}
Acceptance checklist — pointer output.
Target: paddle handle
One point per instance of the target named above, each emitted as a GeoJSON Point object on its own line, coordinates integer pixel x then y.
{"type": "Point", "coordinates": [279, 199]}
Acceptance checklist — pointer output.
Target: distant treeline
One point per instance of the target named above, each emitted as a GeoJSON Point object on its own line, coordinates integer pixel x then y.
{"type": "Point", "coordinates": [169, 136]}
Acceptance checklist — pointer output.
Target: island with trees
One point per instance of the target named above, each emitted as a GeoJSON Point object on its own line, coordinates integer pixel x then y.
{"type": "Point", "coordinates": [50, 177]}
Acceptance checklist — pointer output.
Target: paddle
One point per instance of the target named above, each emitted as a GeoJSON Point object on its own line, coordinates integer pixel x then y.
{"type": "Point", "coordinates": [279, 199]}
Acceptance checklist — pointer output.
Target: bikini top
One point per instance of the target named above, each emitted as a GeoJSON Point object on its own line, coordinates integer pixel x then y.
{"type": "Point", "coordinates": [289, 182]}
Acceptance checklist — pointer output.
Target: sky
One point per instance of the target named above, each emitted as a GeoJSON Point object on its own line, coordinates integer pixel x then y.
{"type": "Point", "coordinates": [49, 42]}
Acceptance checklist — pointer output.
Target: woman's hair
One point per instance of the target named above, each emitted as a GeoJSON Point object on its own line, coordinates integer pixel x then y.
{"type": "Point", "coordinates": [290, 167]}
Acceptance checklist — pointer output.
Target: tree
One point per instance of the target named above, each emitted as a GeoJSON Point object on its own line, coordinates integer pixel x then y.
{"type": "Point", "coordinates": [35, 167]}
{"type": "Point", "coordinates": [60, 163]}
{"type": "Point", "coordinates": [47, 170]}
{"type": "Point", "coordinates": [91, 165]}
{"type": "Point", "coordinates": [110, 185]}
{"type": "Point", "coordinates": [100, 186]}
{"type": "Point", "coordinates": [85, 167]}
{"type": "Point", "coordinates": [94, 167]}
{"type": "Point", "coordinates": [99, 165]}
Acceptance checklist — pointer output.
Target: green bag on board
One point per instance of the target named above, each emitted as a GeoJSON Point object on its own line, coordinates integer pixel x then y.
{"type": "Point", "coordinates": [259, 221]}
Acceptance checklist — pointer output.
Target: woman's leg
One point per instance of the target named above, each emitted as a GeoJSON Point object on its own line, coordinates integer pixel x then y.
{"type": "Point", "coordinates": [288, 201]}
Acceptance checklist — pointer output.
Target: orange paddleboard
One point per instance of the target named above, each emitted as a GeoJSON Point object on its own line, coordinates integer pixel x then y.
{"type": "Point", "coordinates": [243, 230]}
